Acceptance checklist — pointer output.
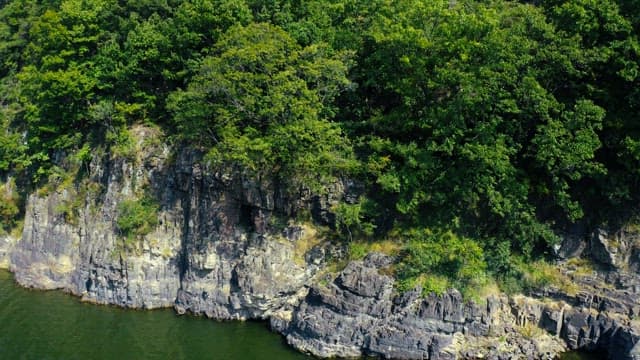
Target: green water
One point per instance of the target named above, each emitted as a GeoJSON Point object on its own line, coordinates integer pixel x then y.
{"type": "Point", "coordinates": [578, 355]}
{"type": "Point", "coordinates": [52, 325]}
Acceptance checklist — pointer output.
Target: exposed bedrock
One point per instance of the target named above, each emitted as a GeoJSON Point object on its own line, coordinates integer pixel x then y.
{"type": "Point", "coordinates": [220, 248]}
{"type": "Point", "coordinates": [358, 314]}
{"type": "Point", "coordinates": [209, 252]}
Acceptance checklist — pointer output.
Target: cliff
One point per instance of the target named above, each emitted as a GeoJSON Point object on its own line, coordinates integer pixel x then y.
{"type": "Point", "coordinates": [217, 249]}
{"type": "Point", "coordinates": [207, 254]}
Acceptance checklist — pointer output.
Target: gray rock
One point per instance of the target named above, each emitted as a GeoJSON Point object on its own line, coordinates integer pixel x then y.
{"type": "Point", "coordinates": [619, 249]}
{"type": "Point", "coordinates": [214, 252]}
{"type": "Point", "coordinates": [86, 257]}
{"type": "Point", "coordinates": [209, 254]}
{"type": "Point", "coordinates": [6, 246]}
{"type": "Point", "coordinates": [603, 249]}
{"type": "Point", "coordinates": [358, 314]}
{"type": "Point", "coordinates": [572, 245]}
{"type": "Point", "coordinates": [552, 320]}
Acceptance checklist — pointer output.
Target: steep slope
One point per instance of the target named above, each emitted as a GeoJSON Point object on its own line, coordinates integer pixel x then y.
{"type": "Point", "coordinates": [216, 250]}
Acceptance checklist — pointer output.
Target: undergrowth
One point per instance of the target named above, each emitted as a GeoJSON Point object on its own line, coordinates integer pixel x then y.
{"type": "Point", "coordinates": [136, 218]}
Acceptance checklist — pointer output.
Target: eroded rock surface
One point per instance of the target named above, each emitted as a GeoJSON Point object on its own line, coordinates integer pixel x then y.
{"type": "Point", "coordinates": [210, 252]}
{"type": "Point", "coordinates": [214, 251]}
{"type": "Point", "coordinates": [6, 246]}
{"type": "Point", "coordinates": [359, 314]}
{"type": "Point", "coordinates": [70, 240]}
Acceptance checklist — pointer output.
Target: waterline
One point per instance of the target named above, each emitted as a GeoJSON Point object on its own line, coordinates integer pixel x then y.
{"type": "Point", "coordinates": [54, 325]}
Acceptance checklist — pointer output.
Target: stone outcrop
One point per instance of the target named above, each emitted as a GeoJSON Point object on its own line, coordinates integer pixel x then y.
{"type": "Point", "coordinates": [209, 253]}
{"type": "Point", "coordinates": [6, 246]}
{"type": "Point", "coordinates": [217, 251]}
{"type": "Point", "coordinates": [70, 240]}
{"type": "Point", "coordinates": [617, 249]}
{"type": "Point", "coordinates": [358, 314]}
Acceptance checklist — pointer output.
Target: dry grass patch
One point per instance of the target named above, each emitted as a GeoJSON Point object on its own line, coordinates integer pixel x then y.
{"type": "Point", "coordinates": [541, 274]}
{"type": "Point", "coordinates": [531, 331]}
{"type": "Point", "coordinates": [581, 267]}
{"type": "Point", "coordinates": [359, 249]}
{"type": "Point", "coordinates": [311, 237]}
{"type": "Point", "coordinates": [387, 247]}
{"type": "Point", "coordinates": [491, 288]}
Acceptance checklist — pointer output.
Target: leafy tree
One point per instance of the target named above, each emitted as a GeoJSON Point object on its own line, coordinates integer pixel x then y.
{"type": "Point", "coordinates": [265, 102]}
{"type": "Point", "coordinates": [466, 125]}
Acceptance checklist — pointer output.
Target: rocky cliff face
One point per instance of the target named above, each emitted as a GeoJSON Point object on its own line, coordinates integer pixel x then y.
{"type": "Point", "coordinates": [208, 254]}
{"type": "Point", "coordinates": [358, 314]}
{"type": "Point", "coordinates": [70, 240]}
{"type": "Point", "coordinates": [216, 251]}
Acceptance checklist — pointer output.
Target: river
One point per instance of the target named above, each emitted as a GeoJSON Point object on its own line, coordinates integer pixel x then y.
{"type": "Point", "coordinates": [53, 325]}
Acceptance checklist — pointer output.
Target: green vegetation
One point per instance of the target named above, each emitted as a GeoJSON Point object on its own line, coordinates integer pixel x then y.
{"type": "Point", "coordinates": [350, 220]}
{"type": "Point", "coordinates": [263, 101]}
{"type": "Point", "coordinates": [9, 207]}
{"type": "Point", "coordinates": [437, 261]}
{"type": "Point", "coordinates": [136, 218]}
{"type": "Point", "coordinates": [479, 129]}
{"type": "Point", "coordinates": [541, 275]}
{"type": "Point", "coordinates": [359, 249]}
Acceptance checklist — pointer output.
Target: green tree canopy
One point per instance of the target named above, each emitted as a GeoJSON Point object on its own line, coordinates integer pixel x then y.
{"type": "Point", "coordinates": [263, 101]}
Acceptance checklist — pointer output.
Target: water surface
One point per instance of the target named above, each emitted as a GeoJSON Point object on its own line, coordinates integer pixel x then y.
{"type": "Point", "coordinates": [581, 355]}
{"type": "Point", "coordinates": [52, 325]}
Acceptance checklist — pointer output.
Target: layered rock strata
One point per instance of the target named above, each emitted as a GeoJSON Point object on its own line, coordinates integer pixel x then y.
{"type": "Point", "coordinates": [359, 314]}
{"type": "Point", "coordinates": [216, 250]}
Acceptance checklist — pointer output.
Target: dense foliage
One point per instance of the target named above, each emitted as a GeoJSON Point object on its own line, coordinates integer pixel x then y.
{"type": "Point", "coordinates": [481, 129]}
{"type": "Point", "coordinates": [136, 218]}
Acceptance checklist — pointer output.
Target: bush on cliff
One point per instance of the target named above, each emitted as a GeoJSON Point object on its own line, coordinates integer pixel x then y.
{"type": "Point", "coordinates": [136, 218]}
{"type": "Point", "coordinates": [439, 260]}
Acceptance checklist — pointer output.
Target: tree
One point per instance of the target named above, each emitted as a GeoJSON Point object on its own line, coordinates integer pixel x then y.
{"type": "Point", "coordinates": [264, 102]}
{"type": "Point", "coordinates": [468, 128]}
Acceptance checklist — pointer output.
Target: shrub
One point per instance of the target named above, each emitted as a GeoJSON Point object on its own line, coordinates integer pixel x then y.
{"type": "Point", "coordinates": [358, 250]}
{"type": "Point", "coordinates": [429, 283]}
{"type": "Point", "coordinates": [136, 218]}
{"type": "Point", "coordinates": [350, 220]}
{"type": "Point", "coordinates": [9, 206]}
{"type": "Point", "coordinates": [439, 260]}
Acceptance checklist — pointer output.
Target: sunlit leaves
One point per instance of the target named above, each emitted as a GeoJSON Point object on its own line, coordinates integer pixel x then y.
{"type": "Point", "coordinates": [262, 101]}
